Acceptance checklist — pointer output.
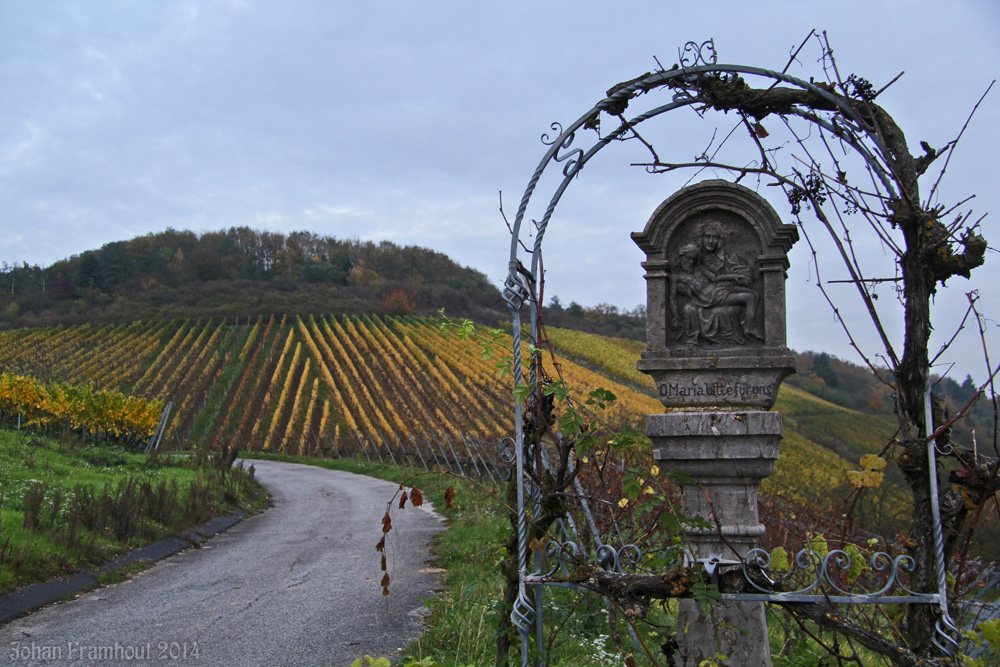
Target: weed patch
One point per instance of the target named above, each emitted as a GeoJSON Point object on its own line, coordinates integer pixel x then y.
{"type": "Point", "coordinates": [64, 508]}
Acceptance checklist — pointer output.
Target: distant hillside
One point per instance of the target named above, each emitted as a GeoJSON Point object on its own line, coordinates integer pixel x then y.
{"type": "Point", "coordinates": [818, 375]}
{"type": "Point", "coordinates": [853, 386]}
{"type": "Point", "coordinates": [242, 273]}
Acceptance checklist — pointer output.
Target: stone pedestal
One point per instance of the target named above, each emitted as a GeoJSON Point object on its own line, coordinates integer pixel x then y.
{"type": "Point", "coordinates": [735, 630]}
{"type": "Point", "coordinates": [726, 454]}
{"type": "Point", "coordinates": [716, 256]}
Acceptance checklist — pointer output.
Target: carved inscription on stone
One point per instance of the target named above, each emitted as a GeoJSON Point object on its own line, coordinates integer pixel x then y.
{"type": "Point", "coordinates": [728, 391]}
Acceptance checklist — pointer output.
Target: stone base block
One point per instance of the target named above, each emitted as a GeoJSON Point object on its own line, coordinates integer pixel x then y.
{"type": "Point", "coordinates": [734, 634]}
{"type": "Point", "coordinates": [726, 455]}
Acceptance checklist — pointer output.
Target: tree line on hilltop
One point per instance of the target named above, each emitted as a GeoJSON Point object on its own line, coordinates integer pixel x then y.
{"type": "Point", "coordinates": [242, 272]}
{"type": "Point", "coordinates": [854, 386]}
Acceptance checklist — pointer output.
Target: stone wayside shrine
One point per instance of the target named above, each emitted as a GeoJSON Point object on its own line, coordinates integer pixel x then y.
{"type": "Point", "coordinates": [716, 259]}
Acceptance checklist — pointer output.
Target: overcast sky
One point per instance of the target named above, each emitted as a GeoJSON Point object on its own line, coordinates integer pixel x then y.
{"type": "Point", "coordinates": [405, 120]}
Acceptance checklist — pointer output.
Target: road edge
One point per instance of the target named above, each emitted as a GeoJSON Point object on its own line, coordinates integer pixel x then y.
{"type": "Point", "coordinates": [35, 596]}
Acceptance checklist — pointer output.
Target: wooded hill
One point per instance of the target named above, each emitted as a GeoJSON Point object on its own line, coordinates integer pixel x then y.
{"type": "Point", "coordinates": [242, 273]}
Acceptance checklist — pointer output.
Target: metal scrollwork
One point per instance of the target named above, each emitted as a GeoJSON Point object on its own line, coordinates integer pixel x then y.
{"type": "Point", "coordinates": [834, 571]}
{"type": "Point", "coordinates": [694, 54]}
{"type": "Point", "coordinates": [679, 553]}
{"type": "Point", "coordinates": [508, 451]}
{"type": "Point", "coordinates": [561, 553]}
{"type": "Point", "coordinates": [612, 559]}
{"type": "Point", "coordinates": [944, 635]}
{"type": "Point", "coordinates": [574, 162]}
{"type": "Point", "coordinates": [944, 450]}
{"type": "Point", "coordinates": [558, 129]}
{"type": "Point", "coordinates": [573, 159]}
{"type": "Point", "coordinates": [523, 615]}
{"type": "Point", "coordinates": [515, 292]}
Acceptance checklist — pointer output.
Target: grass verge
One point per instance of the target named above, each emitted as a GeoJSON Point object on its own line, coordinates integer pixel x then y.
{"type": "Point", "coordinates": [65, 507]}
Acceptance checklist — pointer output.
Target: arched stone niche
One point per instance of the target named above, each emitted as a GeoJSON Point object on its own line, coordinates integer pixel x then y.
{"type": "Point", "coordinates": [716, 263]}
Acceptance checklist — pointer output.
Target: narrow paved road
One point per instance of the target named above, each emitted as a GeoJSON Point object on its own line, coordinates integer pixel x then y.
{"type": "Point", "coordinates": [297, 585]}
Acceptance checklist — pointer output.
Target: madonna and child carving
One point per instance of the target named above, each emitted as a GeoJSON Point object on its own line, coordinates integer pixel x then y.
{"type": "Point", "coordinates": [712, 299]}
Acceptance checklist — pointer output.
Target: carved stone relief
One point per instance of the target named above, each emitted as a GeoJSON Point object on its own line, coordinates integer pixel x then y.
{"type": "Point", "coordinates": [716, 256]}
{"type": "Point", "coordinates": [715, 284]}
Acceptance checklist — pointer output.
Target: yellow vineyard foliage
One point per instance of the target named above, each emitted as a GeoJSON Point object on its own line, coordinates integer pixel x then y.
{"type": "Point", "coordinates": [872, 475]}
{"type": "Point", "coordinates": [59, 404]}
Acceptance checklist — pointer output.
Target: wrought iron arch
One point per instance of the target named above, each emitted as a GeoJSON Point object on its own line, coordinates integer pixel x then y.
{"type": "Point", "coordinates": [696, 61]}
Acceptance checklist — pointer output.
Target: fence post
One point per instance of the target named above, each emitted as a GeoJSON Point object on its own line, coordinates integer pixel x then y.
{"type": "Point", "coordinates": [365, 449]}
{"type": "Point", "coordinates": [157, 435]}
{"type": "Point", "coordinates": [406, 454]}
{"type": "Point", "coordinates": [444, 454]}
{"type": "Point", "coordinates": [486, 464]}
{"type": "Point", "coordinates": [387, 448]}
{"type": "Point", "coordinates": [486, 453]}
{"type": "Point", "coordinates": [429, 445]}
{"type": "Point", "coordinates": [419, 453]}
{"type": "Point", "coordinates": [453, 454]}
{"type": "Point", "coordinates": [471, 457]}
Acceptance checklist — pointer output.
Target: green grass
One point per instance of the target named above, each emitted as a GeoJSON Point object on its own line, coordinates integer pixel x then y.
{"type": "Point", "coordinates": [65, 507]}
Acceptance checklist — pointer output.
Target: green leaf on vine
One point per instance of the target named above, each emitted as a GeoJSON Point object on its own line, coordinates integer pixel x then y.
{"type": "Point", "coordinates": [779, 560]}
{"type": "Point", "coordinates": [858, 564]}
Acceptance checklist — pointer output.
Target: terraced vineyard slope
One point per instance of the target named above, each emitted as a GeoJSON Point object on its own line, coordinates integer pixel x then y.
{"type": "Point", "coordinates": [304, 385]}
{"type": "Point", "coordinates": [317, 385]}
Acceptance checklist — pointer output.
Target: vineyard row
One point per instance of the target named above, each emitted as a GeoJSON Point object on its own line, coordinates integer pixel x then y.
{"type": "Point", "coordinates": [300, 385]}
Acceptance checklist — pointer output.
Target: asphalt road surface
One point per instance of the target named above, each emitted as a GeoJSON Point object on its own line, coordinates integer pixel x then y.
{"type": "Point", "coordinates": [297, 585]}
